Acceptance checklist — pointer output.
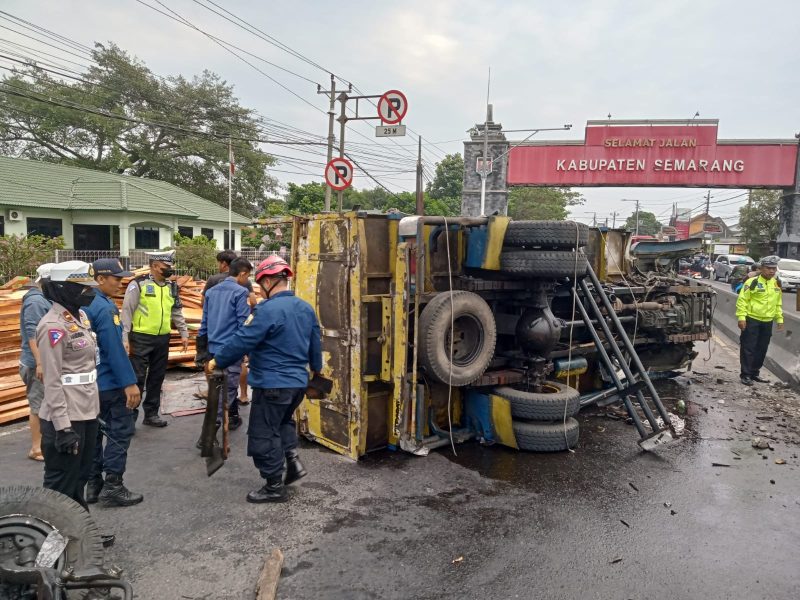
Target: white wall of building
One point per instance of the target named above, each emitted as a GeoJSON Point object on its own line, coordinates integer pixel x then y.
{"type": "Point", "coordinates": [126, 221]}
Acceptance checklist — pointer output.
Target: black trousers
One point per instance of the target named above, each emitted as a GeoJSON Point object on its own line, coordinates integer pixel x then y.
{"type": "Point", "coordinates": [68, 473]}
{"type": "Point", "coordinates": [271, 430]}
{"type": "Point", "coordinates": [149, 354]}
{"type": "Point", "coordinates": [112, 456]}
{"type": "Point", "coordinates": [753, 344]}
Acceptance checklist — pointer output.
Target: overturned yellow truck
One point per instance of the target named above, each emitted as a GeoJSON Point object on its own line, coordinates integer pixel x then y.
{"type": "Point", "coordinates": [436, 330]}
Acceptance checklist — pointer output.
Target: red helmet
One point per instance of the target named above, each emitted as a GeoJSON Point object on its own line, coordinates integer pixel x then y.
{"type": "Point", "coordinates": [274, 265]}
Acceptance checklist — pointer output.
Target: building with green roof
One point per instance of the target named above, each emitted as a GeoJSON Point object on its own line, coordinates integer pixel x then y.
{"type": "Point", "coordinates": [94, 210]}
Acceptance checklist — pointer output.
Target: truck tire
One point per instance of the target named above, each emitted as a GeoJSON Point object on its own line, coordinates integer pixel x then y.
{"type": "Point", "coordinates": [546, 437]}
{"type": "Point", "coordinates": [474, 342]}
{"type": "Point", "coordinates": [544, 263]}
{"type": "Point", "coordinates": [32, 512]}
{"type": "Point", "coordinates": [547, 405]}
{"type": "Point", "coordinates": [551, 234]}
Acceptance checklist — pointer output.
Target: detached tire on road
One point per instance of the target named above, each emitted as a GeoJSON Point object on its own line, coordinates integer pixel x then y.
{"type": "Point", "coordinates": [546, 437]}
{"type": "Point", "coordinates": [552, 234]}
{"type": "Point", "coordinates": [547, 405]}
{"type": "Point", "coordinates": [473, 344]}
{"type": "Point", "coordinates": [544, 263]}
{"type": "Point", "coordinates": [32, 512]}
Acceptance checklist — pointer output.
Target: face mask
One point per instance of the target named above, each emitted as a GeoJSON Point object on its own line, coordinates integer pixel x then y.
{"type": "Point", "coordinates": [167, 272]}
{"type": "Point", "coordinates": [86, 297]}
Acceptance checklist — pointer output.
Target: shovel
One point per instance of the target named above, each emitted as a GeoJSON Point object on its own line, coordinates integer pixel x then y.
{"type": "Point", "coordinates": [214, 453]}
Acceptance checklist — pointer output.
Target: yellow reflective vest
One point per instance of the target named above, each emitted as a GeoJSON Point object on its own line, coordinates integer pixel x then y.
{"type": "Point", "coordinates": [760, 299]}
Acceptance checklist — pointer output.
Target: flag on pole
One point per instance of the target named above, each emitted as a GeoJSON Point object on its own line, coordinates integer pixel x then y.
{"type": "Point", "coordinates": [230, 159]}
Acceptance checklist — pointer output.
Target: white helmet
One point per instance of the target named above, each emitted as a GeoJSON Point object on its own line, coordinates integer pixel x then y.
{"type": "Point", "coordinates": [75, 271]}
{"type": "Point", "coordinates": [43, 271]}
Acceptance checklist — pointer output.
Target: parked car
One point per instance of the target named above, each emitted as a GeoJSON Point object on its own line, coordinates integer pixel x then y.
{"type": "Point", "coordinates": [725, 263]}
{"type": "Point", "coordinates": [789, 273]}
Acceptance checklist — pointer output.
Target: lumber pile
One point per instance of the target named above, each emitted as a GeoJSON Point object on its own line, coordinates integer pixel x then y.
{"type": "Point", "coordinates": [13, 402]}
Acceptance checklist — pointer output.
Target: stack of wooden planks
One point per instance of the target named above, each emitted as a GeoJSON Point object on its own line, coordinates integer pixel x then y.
{"type": "Point", "coordinates": [13, 402]}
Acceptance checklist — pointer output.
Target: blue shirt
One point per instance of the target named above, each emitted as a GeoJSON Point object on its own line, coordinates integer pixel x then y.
{"type": "Point", "coordinates": [225, 308]}
{"type": "Point", "coordinates": [34, 307]}
{"type": "Point", "coordinates": [282, 338]}
{"type": "Point", "coordinates": [114, 370]}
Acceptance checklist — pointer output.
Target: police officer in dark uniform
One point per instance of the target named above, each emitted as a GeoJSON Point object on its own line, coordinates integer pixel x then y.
{"type": "Point", "coordinates": [119, 394]}
{"type": "Point", "coordinates": [282, 338]}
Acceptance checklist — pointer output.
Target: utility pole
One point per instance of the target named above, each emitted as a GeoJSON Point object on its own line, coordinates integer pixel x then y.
{"type": "Point", "coordinates": [708, 203]}
{"type": "Point", "coordinates": [231, 237]}
{"type": "Point", "coordinates": [331, 118]}
{"type": "Point", "coordinates": [343, 123]}
{"type": "Point", "coordinates": [420, 195]}
{"type": "Point", "coordinates": [485, 164]}
{"type": "Point", "coordinates": [637, 213]}
{"type": "Point", "coordinates": [613, 220]}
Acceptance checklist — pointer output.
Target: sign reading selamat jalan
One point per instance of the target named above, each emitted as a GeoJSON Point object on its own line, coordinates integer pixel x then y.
{"type": "Point", "coordinates": [655, 153]}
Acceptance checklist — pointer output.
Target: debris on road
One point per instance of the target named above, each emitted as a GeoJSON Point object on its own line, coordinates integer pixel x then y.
{"type": "Point", "coordinates": [457, 560]}
{"type": "Point", "coordinates": [267, 585]}
{"type": "Point", "coordinates": [624, 523]}
{"type": "Point", "coordinates": [614, 561]}
{"type": "Point", "coordinates": [633, 486]}
{"type": "Point", "coordinates": [761, 444]}
{"type": "Point", "coordinates": [716, 464]}
{"type": "Point", "coordinates": [780, 461]}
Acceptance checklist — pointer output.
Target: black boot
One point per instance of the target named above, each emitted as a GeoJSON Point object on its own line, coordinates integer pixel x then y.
{"type": "Point", "coordinates": [93, 489]}
{"type": "Point", "coordinates": [273, 491]}
{"type": "Point", "coordinates": [116, 494]}
{"type": "Point", "coordinates": [294, 468]}
{"type": "Point", "coordinates": [154, 421]}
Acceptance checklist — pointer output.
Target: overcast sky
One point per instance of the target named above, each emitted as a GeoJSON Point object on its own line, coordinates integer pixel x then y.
{"type": "Point", "coordinates": [552, 63]}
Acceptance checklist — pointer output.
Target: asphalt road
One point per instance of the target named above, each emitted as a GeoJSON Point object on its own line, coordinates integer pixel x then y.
{"type": "Point", "coordinates": [606, 521]}
{"type": "Point", "coordinates": [789, 298]}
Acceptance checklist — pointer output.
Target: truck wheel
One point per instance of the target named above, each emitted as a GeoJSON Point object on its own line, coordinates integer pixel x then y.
{"type": "Point", "coordinates": [547, 405]}
{"type": "Point", "coordinates": [474, 337]}
{"type": "Point", "coordinates": [552, 234]}
{"type": "Point", "coordinates": [544, 263]}
{"type": "Point", "coordinates": [546, 437]}
{"type": "Point", "coordinates": [29, 514]}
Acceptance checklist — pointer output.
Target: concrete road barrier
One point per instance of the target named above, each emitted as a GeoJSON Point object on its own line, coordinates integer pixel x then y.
{"type": "Point", "coordinates": [783, 356]}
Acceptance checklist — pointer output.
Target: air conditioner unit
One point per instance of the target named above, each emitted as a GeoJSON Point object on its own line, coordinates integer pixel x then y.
{"type": "Point", "coordinates": [15, 215]}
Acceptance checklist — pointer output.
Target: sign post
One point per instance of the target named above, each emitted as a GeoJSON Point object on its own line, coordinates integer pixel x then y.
{"type": "Point", "coordinates": [339, 174]}
{"type": "Point", "coordinates": [392, 107]}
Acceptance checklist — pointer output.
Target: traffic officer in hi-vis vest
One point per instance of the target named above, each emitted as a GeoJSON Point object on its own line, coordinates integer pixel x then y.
{"type": "Point", "coordinates": [119, 394]}
{"type": "Point", "coordinates": [760, 303]}
{"type": "Point", "coordinates": [150, 309]}
{"type": "Point", "coordinates": [68, 357]}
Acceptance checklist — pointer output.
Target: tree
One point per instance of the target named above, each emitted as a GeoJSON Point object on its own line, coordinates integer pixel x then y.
{"type": "Point", "coordinates": [184, 139]}
{"type": "Point", "coordinates": [540, 204]}
{"type": "Point", "coordinates": [448, 180]}
{"type": "Point", "coordinates": [759, 218]}
{"type": "Point", "coordinates": [648, 223]}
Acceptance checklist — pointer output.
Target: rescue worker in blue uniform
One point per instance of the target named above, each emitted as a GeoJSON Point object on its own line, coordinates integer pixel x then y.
{"type": "Point", "coordinates": [760, 304]}
{"type": "Point", "coordinates": [225, 309]}
{"type": "Point", "coordinates": [119, 394]}
{"type": "Point", "coordinates": [282, 338]}
{"type": "Point", "coordinates": [152, 305]}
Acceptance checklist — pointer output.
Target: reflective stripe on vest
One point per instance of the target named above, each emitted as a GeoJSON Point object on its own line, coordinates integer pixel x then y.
{"type": "Point", "coordinates": [153, 316]}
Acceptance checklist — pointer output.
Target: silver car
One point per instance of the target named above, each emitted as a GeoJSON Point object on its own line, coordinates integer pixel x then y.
{"type": "Point", "coordinates": [789, 273]}
{"type": "Point", "coordinates": [725, 263]}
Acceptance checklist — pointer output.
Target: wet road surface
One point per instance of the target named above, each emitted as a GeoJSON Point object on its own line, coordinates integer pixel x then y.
{"type": "Point", "coordinates": [606, 521]}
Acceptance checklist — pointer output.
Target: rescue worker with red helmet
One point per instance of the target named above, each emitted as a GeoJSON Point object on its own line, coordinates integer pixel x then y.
{"type": "Point", "coordinates": [282, 339]}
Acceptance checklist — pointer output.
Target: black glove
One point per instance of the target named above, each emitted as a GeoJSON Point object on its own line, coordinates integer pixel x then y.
{"type": "Point", "coordinates": [67, 441]}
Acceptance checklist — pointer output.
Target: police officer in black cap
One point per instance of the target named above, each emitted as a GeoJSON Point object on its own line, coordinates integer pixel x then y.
{"type": "Point", "coordinates": [119, 394]}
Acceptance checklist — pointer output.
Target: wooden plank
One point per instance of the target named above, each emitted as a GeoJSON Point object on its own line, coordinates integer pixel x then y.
{"type": "Point", "coordinates": [267, 585]}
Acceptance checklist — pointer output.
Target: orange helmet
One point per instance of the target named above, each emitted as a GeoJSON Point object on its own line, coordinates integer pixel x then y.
{"type": "Point", "coordinates": [274, 265]}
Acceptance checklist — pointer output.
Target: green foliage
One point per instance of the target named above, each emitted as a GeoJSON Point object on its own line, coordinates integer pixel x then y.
{"type": "Point", "coordinates": [21, 255]}
{"type": "Point", "coordinates": [759, 218]}
{"type": "Point", "coordinates": [121, 84]}
{"type": "Point", "coordinates": [541, 204]}
{"type": "Point", "coordinates": [199, 240]}
{"type": "Point", "coordinates": [198, 257]}
{"type": "Point", "coordinates": [648, 223]}
{"type": "Point", "coordinates": [448, 181]}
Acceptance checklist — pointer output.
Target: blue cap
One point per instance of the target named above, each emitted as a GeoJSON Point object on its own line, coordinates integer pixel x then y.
{"type": "Point", "coordinates": [110, 266]}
